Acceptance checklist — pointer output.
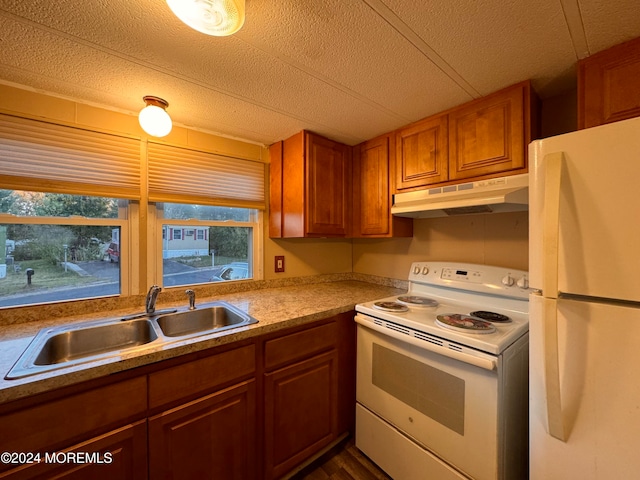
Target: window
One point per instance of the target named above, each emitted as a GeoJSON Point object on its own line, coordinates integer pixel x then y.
{"type": "Point", "coordinates": [71, 209]}
{"type": "Point", "coordinates": [59, 247]}
{"type": "Point", "coordinates": [203, 244]}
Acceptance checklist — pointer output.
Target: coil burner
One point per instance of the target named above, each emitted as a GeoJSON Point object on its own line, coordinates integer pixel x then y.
{"type": "Point", "coordinates": [491, 316]}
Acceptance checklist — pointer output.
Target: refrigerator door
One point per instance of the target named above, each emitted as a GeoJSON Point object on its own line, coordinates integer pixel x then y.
{"type": "Point", "coordinates": [596, 234]}
{"type": "Point", "coordinates": [598, 392]}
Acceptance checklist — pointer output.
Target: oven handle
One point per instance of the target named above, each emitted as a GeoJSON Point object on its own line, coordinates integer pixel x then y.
{"type": "Point", "coordinates": [485, 363]}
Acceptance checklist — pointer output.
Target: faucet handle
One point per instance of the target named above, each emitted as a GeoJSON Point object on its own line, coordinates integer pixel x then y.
{"type": "Point", "coordinates": [192, 298]}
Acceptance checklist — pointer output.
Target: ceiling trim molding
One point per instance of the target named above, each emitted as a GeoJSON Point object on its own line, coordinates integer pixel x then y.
{"type": "Point", "coordinates": [423, 47]}
{"type": "Point", "coordinates": [573, 17]}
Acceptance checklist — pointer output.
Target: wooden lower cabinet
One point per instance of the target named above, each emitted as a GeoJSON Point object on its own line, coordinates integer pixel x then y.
{"type": "Point", "coordinates": [300, 412]}
{"type": "Point", "coordinates": [119, 454]}
{"type": "Point", "coordinates": [309, 391]}
{"type": "Point", "coordinates": [255, 409]}
{"type": "Point", "coordinates": [209, 438]}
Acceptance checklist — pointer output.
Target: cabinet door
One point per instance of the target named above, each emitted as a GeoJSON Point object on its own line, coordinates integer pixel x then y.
{"type": "Point", "coordinates": [210, 438]}
{"type": "Point", "coordinates": [372, 192]}
{"type": "Point", "coordinates": [487, 136]}
{"type": "Point", "coordinates": [328, 183]}
{"type": "Point", "coordinates": [421, 153]}
{"type": "Point", "coordinates": [119, 454]}
{"type": "Point", "coordinates": [608, 87]}
{"type": "Point", "coordinates": [300, 412]}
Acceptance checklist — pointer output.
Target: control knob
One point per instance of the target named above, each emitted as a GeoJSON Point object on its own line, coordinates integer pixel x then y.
{"type": "Point", "coordinates": [507, 280]}
{"type": "Point", "coordinates": [425, 270]}
{"type": "Point", "coordinates": [523, 283]}
{"type": "Point", "coordinates": [416, 269]}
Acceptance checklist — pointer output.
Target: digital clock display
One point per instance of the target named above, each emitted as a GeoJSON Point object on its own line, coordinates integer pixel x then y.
{"type": "Point", "coordinates": [461, 272]}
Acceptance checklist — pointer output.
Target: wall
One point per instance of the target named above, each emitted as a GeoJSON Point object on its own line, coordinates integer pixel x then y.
{"type": "Point", "coordinates": [496, 239]}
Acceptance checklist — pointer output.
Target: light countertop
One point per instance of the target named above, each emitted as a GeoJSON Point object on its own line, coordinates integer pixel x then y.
{"type": "Point", "coordinates": [274, 308]}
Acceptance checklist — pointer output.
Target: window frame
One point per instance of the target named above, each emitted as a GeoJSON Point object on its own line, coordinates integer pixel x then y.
{"type": "Point", "coordinates": [123, 222]}
{"type": "Point", "coordinates": [155, 254]}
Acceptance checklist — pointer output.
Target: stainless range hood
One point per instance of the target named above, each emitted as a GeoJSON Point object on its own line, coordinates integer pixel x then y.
{"type": "Point", "coordinates": [495, 195]}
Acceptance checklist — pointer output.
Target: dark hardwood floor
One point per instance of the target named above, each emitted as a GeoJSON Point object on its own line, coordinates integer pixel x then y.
{"type": "Point", "coordinates": [345, 462]}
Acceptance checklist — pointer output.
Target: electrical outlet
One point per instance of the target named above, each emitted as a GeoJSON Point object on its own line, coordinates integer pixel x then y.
{"type": "Point", "coordinates": [279, 263]}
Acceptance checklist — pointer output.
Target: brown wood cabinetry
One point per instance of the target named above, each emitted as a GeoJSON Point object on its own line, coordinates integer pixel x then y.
{"type": "Point", "coordinates": [372, 191]}
{"type": "Point", "coordinates": [310, 180]}
{"type": "Point", "coordinates": [309, 386]}
{"type": "Point", "coordinates": [483, 138]}
{"type": "Point", "coordinates": [213, 435]}
{"type": "Point", "coordinates": [422, 153]}
{"type": "Point", "coordinates": [608, 87]}
{"type": "Point", "coordinates": [107, 419]}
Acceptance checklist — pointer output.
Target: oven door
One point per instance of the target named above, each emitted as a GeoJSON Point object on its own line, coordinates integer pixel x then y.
{"type": "Point", "coordinates": [447, 406]}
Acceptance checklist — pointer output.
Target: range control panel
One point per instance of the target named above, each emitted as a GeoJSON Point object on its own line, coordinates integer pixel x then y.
{"type": "Point", "coordinates": [466, 276]}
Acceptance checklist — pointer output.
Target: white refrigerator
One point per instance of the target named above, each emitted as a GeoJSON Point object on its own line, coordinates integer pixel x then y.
{"type": "Point", "coordinates": [584, 263]}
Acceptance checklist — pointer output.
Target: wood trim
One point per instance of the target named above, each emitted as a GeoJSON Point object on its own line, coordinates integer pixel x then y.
{"type": "Point", "coordinates": [275, 190]}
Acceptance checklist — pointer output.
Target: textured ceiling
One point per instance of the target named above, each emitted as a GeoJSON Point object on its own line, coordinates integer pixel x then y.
{"type": "Point", "coordinates": [347, 69]}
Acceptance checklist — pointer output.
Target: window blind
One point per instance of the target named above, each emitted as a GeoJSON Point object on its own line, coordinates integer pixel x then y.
{"type": "Point", "coordinates": [42, 156]}
{"type": "Point", "coordinates": [183, 175]}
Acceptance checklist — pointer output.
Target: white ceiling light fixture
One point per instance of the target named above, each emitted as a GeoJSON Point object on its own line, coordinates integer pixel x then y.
{"type": "Point", "coordinates": [211, 17]}
{"type": "Point", "coordinates": [153, 118]}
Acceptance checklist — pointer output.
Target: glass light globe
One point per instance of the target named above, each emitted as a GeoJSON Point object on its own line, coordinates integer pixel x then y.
{"type": "Point", "coordinates": [211, 17]}
{"type": "Point", "coordinates": [155, 121]}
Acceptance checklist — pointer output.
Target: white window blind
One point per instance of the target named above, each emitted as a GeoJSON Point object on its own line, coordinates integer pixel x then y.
{"type": "Point", "coordinates": [43, 156]}
{"type": "Point", "coordinates": [182, 175]}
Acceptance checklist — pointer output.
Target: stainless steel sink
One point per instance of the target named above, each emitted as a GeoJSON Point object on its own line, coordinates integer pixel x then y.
{"type": "Point", "coordinates": [60, 347]}
{"type": "Point", "coordinates": [65, 346]}
{"type": "Point", "coordinates": [213, 317]}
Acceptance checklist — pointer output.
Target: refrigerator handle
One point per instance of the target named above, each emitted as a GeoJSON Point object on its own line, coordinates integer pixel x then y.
{"type": "Point", "coordinates": [552, 369]}
{"type": "Point", "coordinates": [550, 222]}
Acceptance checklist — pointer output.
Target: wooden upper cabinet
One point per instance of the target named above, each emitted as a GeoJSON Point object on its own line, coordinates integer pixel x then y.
{"type": "Point", "coordinates": [310, 187]}
{"type": "Point", "coordinates": [480, 139]}
{"type": "Point", "coordinates": [488, 135]}
{"type": "Point", "coordinates": [372, 191]}
{"type": "Point", "coordinates": [608, 86]}
{"type": "Point", "coordinates": [422, 153]}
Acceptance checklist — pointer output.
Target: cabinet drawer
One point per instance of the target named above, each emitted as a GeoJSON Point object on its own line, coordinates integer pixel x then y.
{"type": "Point", "coordinates": [121, 454]}
{"type": "Point", "coordinates": [295, 346]}
{"type": "Point", "coordinates": [58, 423]}
{"type": "Point", "coordinates": [201, 375]}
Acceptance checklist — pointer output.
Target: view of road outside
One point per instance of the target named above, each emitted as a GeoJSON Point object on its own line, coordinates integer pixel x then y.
{"type": "Point", "coordinates": [48, 262]}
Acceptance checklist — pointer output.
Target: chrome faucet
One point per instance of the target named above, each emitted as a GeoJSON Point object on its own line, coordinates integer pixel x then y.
{"type": "Point", "coordinates": [152, 296]}
{"type": "Point", "coordinates": [192, 298]}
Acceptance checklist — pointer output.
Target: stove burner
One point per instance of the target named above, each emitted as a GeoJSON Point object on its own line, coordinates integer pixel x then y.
{"type": "Point", "coordinates": [391, 307]}
{"type": "Point", "coordinates": [417, 301]}
{"type": "Point", "coordinates": [464, 323]}
{"type": "Point", "coordinates": [491, 316]}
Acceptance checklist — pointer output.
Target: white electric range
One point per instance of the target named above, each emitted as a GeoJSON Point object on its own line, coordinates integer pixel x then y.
{"type": "Point", "coordinates": [442, 374]}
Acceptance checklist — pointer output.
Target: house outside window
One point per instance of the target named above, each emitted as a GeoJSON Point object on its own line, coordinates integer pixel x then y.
{"type": "Point", "coordinates": [221, 247]}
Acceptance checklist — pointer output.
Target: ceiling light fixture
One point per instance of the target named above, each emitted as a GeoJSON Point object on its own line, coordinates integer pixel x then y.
{"type": "Point", "coordinates": [153, 118]}
{"type": "Point", "coordinates": [211, 17]}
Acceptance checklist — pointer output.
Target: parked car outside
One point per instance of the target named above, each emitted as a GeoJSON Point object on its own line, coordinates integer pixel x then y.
{"type": "Point", "coordinates": [231, 271]}
{"type": "Point", "coordinates": [114, 252]}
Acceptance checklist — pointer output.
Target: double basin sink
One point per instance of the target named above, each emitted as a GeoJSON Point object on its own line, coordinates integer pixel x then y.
{"type": "Point", "coordinates": [65, 346]}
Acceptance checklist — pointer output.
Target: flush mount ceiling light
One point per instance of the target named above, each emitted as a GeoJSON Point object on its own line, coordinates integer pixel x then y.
{"type": "Point", "coordinates": [153, 118]}
{"type": "Point", "coordinates": [211, 17]}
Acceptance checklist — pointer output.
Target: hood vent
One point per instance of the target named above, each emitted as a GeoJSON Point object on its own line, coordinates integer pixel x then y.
{"type": "Point", "coordinates": [504, 194]}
